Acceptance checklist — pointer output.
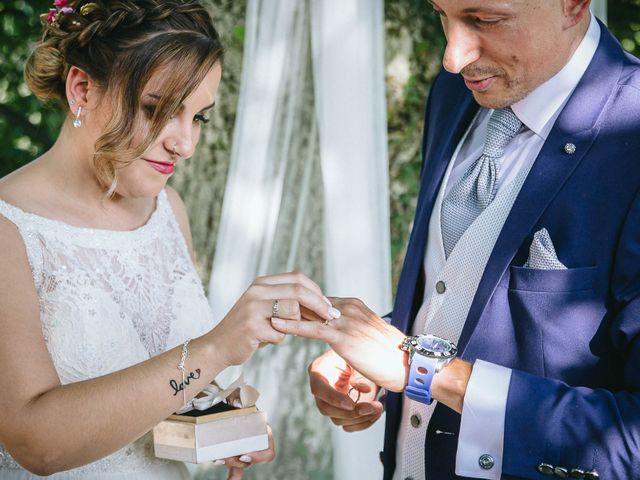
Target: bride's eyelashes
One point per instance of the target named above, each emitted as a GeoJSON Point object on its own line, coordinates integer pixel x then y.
{"type": "Point", "coordinates": [150, 109]}
{"type": "Point", "coordinates": [202, 118]}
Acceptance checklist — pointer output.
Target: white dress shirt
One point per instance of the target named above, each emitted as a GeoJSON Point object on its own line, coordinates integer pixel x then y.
{"type": "Point", "coordinates": [484, 409]}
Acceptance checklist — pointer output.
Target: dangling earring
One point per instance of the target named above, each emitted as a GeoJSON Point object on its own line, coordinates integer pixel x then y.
{"type": "Point", "coordinates": [77, 123]}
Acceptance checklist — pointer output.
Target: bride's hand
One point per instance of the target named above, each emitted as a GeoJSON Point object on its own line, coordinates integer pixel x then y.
{"type": "Point", "coordinates": [248, 323]}
{"type": "Point", "coordinates": [237, 465]}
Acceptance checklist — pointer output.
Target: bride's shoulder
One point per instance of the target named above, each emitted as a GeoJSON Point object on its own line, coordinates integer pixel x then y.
{"type": "Point", "coordinates": [24, 187]}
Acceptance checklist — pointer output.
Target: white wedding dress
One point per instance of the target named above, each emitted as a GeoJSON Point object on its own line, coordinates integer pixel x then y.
{"type": "Point", "coordinates": [109, 300]}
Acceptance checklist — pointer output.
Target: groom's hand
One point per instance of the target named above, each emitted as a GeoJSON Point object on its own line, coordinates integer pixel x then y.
{"type": "Point", "coordinates": [342, 394]}
{"type": "Point", "coordinates": [365, 341]}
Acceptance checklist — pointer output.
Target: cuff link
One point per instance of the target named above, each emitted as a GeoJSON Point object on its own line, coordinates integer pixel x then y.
{"type": "Point", "coordinates": [486, 461]}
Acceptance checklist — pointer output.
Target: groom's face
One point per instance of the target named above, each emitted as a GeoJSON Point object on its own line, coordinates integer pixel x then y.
{"type": "Point", "coordinates": [506, 49]}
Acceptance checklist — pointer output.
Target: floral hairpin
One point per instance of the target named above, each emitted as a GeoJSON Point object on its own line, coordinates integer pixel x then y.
{"type": "Point", "coordinates": [61, 7]}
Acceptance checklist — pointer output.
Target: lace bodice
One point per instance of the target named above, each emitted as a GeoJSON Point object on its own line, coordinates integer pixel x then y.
{"type": "Point", "coordinates": [108, 300]}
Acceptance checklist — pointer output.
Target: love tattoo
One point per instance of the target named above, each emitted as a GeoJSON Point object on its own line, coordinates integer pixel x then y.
{"type": "Point", "coordinates": [178, 387]}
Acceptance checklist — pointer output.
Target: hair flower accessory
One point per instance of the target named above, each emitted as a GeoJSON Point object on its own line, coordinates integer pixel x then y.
{"type": "Point", "coordinates": [61, 7]}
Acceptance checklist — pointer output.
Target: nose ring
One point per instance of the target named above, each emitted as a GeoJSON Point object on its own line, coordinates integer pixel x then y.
{"type": "Point", "coordinates": [175, 144]}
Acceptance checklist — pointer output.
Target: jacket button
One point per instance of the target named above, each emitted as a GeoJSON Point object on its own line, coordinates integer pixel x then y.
{"type": "Point", "coordinates": [561, 472]}
{"type": "Point", "coordinates": [545, 469]}
{"type": "Point", "coordinates": [415, 421]}
{"type": "Point", "coordinates": [576, 473]}
{"type": "Point", "coordinates": [486, 461]}
{"type": "Point", "coordinates": [592, 475]}
{"type": "Point", "coordinates": [441, 287]}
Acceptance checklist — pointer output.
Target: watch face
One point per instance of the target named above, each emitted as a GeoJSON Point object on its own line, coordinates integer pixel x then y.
{"type": "Point", "coordinates": [434, 346]}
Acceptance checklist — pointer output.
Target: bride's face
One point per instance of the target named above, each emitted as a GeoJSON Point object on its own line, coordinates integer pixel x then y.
{"type": "Point", "coordinates": [147, 175]}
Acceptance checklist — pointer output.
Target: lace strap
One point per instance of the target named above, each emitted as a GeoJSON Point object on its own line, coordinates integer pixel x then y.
{"type": "Point", "coordinates": [166, 211]}
{"type": "Point", "coordinates": [30, 237]}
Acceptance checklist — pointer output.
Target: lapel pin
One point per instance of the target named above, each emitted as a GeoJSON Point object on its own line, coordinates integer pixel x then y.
{"type": "Point", "coordinates": [570, 148]}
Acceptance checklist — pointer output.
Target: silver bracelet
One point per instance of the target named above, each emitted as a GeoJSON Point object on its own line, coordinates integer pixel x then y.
{"type": "Point", "coordinates": [183, 359]}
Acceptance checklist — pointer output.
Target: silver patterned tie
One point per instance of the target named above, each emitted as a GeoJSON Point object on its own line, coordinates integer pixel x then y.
{"type": "Point", "coordinates": [477, 187]}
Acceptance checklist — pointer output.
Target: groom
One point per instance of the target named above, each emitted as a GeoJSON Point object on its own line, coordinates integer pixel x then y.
{"type": "Point", "coordinates": [525, 252]}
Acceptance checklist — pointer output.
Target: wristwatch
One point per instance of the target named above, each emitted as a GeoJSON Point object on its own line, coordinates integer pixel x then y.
{"type": "Point", "coordinates": [428, 354]}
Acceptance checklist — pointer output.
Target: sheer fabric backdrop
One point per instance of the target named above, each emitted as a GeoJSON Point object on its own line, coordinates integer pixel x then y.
{"type": "Point", "coordinates": [308, 190]}
{"type": "Point", "coordinates": [348, 66]}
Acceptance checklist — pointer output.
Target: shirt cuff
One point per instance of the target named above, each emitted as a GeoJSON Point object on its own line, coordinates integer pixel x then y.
{"type": "Point", "coordinates": [481, 442]}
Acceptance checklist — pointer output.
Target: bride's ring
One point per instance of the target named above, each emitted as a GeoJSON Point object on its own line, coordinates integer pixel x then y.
{"type": "Point", "coordinates": [358, 397]}
{"type": "Point", "coordinates": [274, 309]}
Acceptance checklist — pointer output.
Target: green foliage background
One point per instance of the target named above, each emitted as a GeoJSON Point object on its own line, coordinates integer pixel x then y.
{"type": "Point", "coordinates": [26, 126]}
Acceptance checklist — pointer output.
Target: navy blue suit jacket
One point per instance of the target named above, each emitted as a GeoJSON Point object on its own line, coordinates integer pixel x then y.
{"type": "Point", "coordinates": [572, 337]}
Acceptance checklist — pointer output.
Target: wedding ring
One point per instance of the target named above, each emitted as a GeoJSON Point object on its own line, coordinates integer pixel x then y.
{"type": "Point", "coordinates": [358, 397]}
{"type": "Point", "coordinates": [274, 309]}
{"type": "Point", "coordinates": [326, 321]}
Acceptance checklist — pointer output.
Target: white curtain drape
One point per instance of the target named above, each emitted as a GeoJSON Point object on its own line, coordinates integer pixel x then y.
{"type": "Point", "coordinates": [348, 65]}
{"type": "Point", "coordinates": [255, 179]}
{"type": "Point", "coordinates": [308, 190]}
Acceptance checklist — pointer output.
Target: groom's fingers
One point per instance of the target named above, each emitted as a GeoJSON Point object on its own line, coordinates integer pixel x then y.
{"type": "Point", "coordinates": [362, 412]}
{"type": "Point", "coordinates": [362, 426]}
{"type": "Point", "coordinates": [327, 397]}
{"type": "Point", "coordinates": [334, 412]}
{"type": "Point", "coordinates": [352, 422]}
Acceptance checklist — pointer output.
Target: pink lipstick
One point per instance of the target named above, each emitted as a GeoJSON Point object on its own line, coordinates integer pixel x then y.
{"type": "Point", "coordinates": [166, 168]}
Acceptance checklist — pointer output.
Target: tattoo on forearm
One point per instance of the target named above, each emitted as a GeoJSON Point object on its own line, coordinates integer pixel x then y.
{"type": "Point", "coordinates": [178, 387]}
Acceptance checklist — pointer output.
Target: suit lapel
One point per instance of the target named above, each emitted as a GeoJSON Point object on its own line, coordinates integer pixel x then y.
{"type": "Point", "coordinates": [452, 118]}
{"type": "Point", "coordinates": [576, 124]}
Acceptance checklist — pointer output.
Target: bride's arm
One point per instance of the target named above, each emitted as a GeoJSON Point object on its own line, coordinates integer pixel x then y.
{"type": "Point", "coordinates": [48, 427]}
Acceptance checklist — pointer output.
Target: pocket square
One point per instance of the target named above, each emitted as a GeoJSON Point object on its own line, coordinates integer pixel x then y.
{"type": "Point", "coordinates": [542, 254]}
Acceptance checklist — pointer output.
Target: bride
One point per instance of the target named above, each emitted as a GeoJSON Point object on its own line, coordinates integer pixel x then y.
{"type": "Point", "coordinates": [98, 292]}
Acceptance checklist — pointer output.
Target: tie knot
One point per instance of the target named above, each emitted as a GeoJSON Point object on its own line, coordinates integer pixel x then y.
{"type": "Point", "coordinates": [503, 126]}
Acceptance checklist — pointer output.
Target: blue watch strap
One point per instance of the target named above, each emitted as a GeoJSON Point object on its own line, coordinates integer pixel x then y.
{"type": "Point", "coordinates": [421, 372]}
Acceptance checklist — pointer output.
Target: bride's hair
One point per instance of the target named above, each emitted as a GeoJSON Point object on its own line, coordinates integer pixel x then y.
{"type": "Point", "coordinates": [120, 44]}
